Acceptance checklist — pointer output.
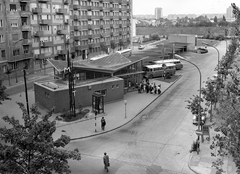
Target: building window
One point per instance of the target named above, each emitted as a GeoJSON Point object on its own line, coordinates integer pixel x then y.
{"type": "Point", "coordinates": [0, 7]}
{"type": "Point", "coordinates": [14, 24]}
{"type": "Point", "coordinates": [26, 49]}
{"type": "Point", "coordinates": [2, 38]}
{"type": "Point", "coordinates": [13, 7]}
{"type": "Point", "coordinates": [113, 86]}
{"type": "Point", "coordinates": [3, 54]}
{"type": "Point", "coordinates": [16, 52]}
{"type": "Point", "coordinates": [1, 23]}
{"type": "Point", "coordinates": [47, 95]}
{"type": "Point", "coordinates": [117, 85]}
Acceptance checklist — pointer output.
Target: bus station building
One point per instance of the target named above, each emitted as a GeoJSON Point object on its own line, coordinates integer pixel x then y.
{"type": "Point", "coordinates": [112, 76]}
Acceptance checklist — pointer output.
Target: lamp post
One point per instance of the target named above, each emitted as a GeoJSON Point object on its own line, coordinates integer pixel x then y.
{"type": "Point", "coordinates": [15, 62]}
{"type": "Point", "coordinates": [125, 103]}
{"type": "Point", "coordinates": [198, 131]}
{"type": "Point", "coordinates": [217, 52]}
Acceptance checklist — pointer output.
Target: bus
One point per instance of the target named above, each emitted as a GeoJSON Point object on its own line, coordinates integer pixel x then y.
{"type": "Point", "coordinates": [126, 52]}
{"type": "Point", "coordinates": [156, 70]}
{"type": "Point", "coordinates": [177, 62]}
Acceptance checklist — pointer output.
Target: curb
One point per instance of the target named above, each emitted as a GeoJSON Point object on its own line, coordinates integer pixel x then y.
{"type": "Point", "coordinates": [190, 158]}
{"type": "Point", "coordinates": [72, 139]}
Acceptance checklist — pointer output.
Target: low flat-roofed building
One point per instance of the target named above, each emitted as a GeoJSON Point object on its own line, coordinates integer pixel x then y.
{"type": "Point", "coordinates": [190, 41]}
{"type": "Point", "coordinates": [112, 76]}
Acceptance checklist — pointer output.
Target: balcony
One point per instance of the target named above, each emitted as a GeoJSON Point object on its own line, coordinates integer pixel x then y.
{"type": "Point", "coordinates": [62, 52]}
{"type": "Point", "coordinates": [25, 13]}
{"type": "Point", "coordinates": [89, 8]}
{"type": "Point", "coordinates": [41, 10]}
{"type": "Point", "coordinates": [66, 21]}
{"type": "Point", "coordinates": [43, 55]}
{"type": "Point", "coordinates": [46, 43]}
{"type": "Point", "coordinates": [45, 22]}
{"type": "Point", "coordinates": [77, 38]}
{"type": "Point", "coordinates": [26, 41]}
{"type": "Point", "coordinates": [90, 27]}
{"type": "Point", "coordinates": [76, 7]}
{"type": "Point", "coordinates": [75, 17]}
{"type": "Point", "coordinates": [76, 28]}
{"type": "Point", "coordinates": [41, 33]}
{"type": "Point", "coordinates": [69, 41]}
{"type": "Point", "coordinates": [62, 32]}
{"type": "Point", "coordinates": [44, 1]}
{"type": "Point", "coordinates": [26, 28]}
{"type": "Point", "coordinates": [24, 0]}
{"type": "Point", "coordinates": [66, 2]}
{"type": "Point", "coordinates": [61, 11]}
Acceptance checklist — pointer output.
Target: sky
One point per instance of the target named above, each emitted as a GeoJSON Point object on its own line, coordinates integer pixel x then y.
{"type": "Point", "coordinates": [197, 7]}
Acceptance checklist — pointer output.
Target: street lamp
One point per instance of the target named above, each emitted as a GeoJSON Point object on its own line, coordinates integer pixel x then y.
{"type": "Point", "coordinates": [163, 52]}
{"type": "Point", "coordinates": [217, 52]}
{"type": "Point", "coordinates": [125, 103]}
{"type": "Point", "coordinates": [198, 131]}
{"type": "Point", "coordinates": [15, 62]}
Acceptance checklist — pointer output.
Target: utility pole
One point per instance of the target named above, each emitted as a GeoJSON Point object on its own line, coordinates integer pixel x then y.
{"type": "Point", "coordinates": [71, 86]}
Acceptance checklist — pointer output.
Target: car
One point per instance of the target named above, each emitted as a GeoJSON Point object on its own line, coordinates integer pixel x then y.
{"type": "Point", "coordinates": [141, 47]}
{"type": "Point", "coordinates": [202, 120]}
{"type": "Point", "coordinates": [202, 50]}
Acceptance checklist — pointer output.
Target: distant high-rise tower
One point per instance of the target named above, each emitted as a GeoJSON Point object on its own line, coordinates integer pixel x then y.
{"type": "Point", "coordinates": [229, 15]}
{"type": "Point", "coordinates": [158, 13]}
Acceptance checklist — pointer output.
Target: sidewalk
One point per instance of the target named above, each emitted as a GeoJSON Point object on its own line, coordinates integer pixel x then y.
{"type": "Point", "coordinates": [114, 113]}
{"type": "Point", "coordinates": [202, 163]}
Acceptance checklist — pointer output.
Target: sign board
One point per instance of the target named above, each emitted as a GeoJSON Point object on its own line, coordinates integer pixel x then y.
{"type": "Point", "coordinates": [205, 130]}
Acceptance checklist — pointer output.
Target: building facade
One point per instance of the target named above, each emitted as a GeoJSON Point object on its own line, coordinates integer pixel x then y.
{"type": "Point", "coordinates": [229, 14]}
{"type": "Point", "coordinates": [32, 31]}
{"type": "Point", "coordinates": [158, 13]}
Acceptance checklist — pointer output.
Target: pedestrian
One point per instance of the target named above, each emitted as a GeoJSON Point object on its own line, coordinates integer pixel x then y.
{"type": "Point", "coordinates": [155, 88]}
{"type": "Point", "coordinates": [103, 123]}
{"type": "Point", "coordinates": [159, 89]}
{"type": "Point", "coordinates": [151, 88]}
{"type": "Point", "coordinates": [147, 88]}
{"type": "Point", "coordinates": [106, 161]}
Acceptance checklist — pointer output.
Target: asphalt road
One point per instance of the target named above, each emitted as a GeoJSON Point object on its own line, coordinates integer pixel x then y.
{"type": "Point", "coordinates": [160, 139]}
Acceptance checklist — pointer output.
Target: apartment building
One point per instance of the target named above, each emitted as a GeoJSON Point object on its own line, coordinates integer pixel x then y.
{"type": "Point", "coordinates": [32, 31]}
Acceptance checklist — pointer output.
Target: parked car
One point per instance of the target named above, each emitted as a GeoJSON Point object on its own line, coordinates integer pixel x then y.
{"type": "Point", "coordinates": [202, 120]}
{"type": "Point", "coordinates": [202, 50]}
{"type": "Point", "coordinates": [141, 47]}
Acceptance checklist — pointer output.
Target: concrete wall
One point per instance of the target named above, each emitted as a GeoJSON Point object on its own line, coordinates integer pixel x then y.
{"type": "Point", "coordinates": [49, 98]}
{"type": "Point", "coordinates": [188, 39]}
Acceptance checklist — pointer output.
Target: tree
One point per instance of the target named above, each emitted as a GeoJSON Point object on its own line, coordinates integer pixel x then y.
{"type": "Point", "coordinates": [224, 18]}
{"type": "Point", "coordinates": [8, 72]}
{"type": "Point", "coordinates": [193, 105]}
{"type": "Point", "coordinates": [210, 94]}
{"type": "Point", "coordinates": [215, 19]}
{"type": "Point", "coordinates": [113, 45]}
{"type": "Point", "coordinates": [3, 94]}
{"type": "Point", "coordinates": [29, 147]}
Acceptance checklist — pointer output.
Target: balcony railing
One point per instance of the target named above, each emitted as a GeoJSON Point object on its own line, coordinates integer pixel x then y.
{"type": "Point", "coordinates": [26, 41]}
{"type": "Point", "coordinates": [62, 32]}
{"type": "Point", "coordinates": [42, 55]}
{"type": "Point", "coordinates": [65, 2]}
{"type": "Point", "coordinates": [62, 52]}
{"type": "Point", "coordinates": [26, 28]}
{"type": "Point", "coordinates": [45, 22]}
{"type": "Point", "coordinates": [43, 1]}
{"type": "Point", "coordinates": [46, 44]}
{"type": "Point", "coordinates": [61, 11]}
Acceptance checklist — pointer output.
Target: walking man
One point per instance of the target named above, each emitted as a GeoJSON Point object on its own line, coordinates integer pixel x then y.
{"type": "Point", "coordinates": [103, 123]}
{"type": "Point", "coordinates": [106, 161]}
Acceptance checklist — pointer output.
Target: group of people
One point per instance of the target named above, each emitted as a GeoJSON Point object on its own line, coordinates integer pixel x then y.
{"type": "Point", "coordinates": [149, 88]}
